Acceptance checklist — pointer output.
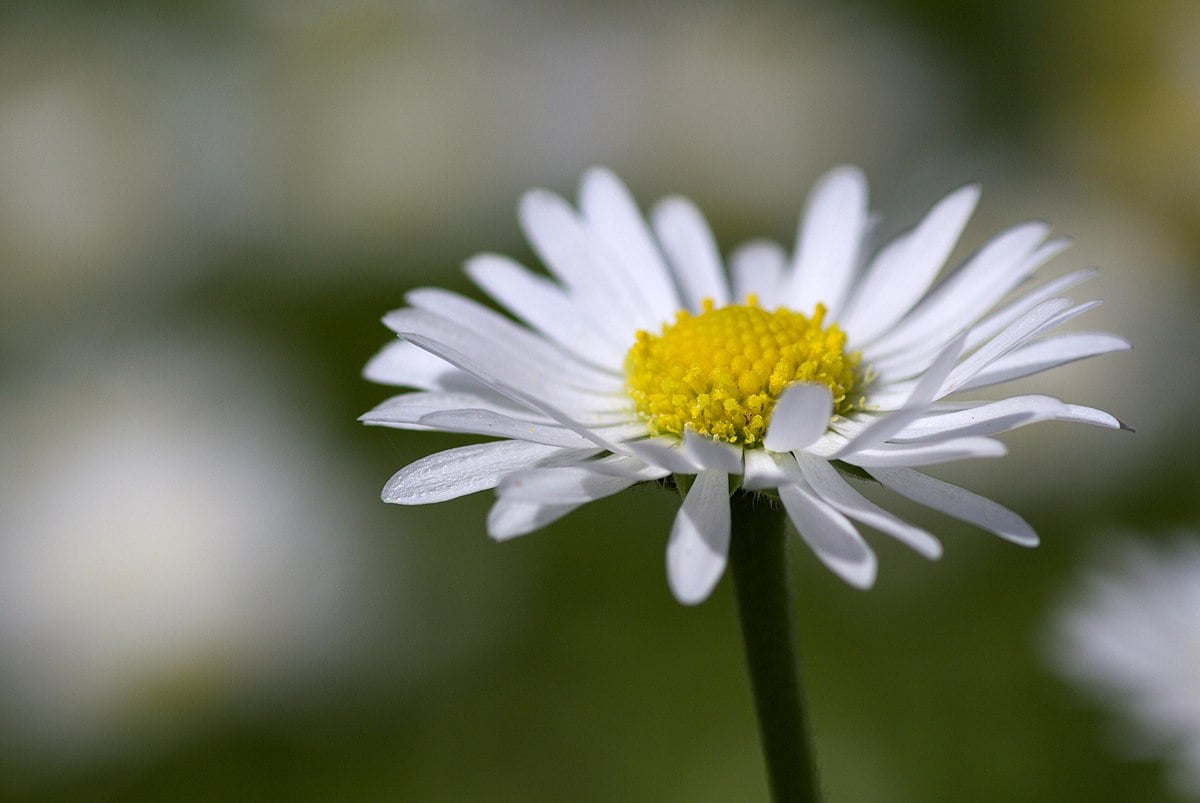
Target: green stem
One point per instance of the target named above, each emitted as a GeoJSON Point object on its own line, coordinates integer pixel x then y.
{"type": "Point", "coordinates": [757, 555]}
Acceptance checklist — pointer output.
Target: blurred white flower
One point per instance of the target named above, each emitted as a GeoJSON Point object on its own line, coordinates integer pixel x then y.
{"type": "Point", "coordinates": [166, 551]}
{"type": "Point", "coordinates": [1129, 635]}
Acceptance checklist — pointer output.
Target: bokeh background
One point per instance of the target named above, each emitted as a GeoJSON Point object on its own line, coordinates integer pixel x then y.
{"type": "Point", "coordinates": [206, 207]}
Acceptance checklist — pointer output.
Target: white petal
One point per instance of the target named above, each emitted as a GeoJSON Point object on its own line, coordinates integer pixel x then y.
{"type": "Point", "coordinates": [801, 415]}
{"type": "Point", "coordinates": [489, 325]}
{"type": "Point", "coordinates": [499, 425]}
{"type": "Point", "coordinates": [830, 486]}
{"type": "Point", "coordinates": [830, 536]}
{"type": "Point", "coordinates": [985, 419]}
{"type": "Point", "coordinates": [407, 410]}
{"type": "Point", "coordinates": [699, 545]}
{"type": "Point", "coordinates": [692, 251]}
{"type": "Point", "coordinates": [964, 295]}
{"type": "Point", "coordinates": [464, 470]}
{"type": "Point", "coordinates": [762, 470]}
{"type": "Point", "coordinates": [708, 453]}
{"type": "Point", "coordinates": [827, 246]}
{"type": "Point", "coordinates": [470, 352]}
{"type": "Point", "coordinates": [1042, 318]}
{"type": "Point", "coordinates": [914, 454]}
{"type": "Point", "coordinates": [914, 407]}
{"type": "Point", "coordinates": [1046, 354]}
{"type": "Point", "coordinates": [561, 485]}
{"type": "Point", "coordinates": [614, 216]}
{"type": "Point", "coordinates": [404, 365]}
{"type": "Point", "coordinates": [546, 307]}
{"type": "Point", "coordinates": [570, 252]}
{"type": "Point", "coordinates": [1090, 415]}
{"type": "Point", "coordinates": [905, 269]}
{"type": "Point", "coordinates": [957, 502]}
{"type": "Point", "coordinates": [509, 518]}
{"type": "Point", "coordinates": [628, 466]}
{"type": "Point", "coordinates": [992, 324]}
{"type": "Point", "coordinates": [665, 452]}
{"type": "Point", "coordinates": [756, 268]}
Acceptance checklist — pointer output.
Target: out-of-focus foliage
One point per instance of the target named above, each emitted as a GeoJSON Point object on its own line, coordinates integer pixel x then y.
{"type": "Point", "coordinates": [206, 207]}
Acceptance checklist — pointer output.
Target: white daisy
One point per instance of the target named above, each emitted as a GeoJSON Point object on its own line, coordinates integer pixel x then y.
{"type": "Point", "coordinates": [642, 357]}
{"type": "Point", "coordinates": [1130, 636]}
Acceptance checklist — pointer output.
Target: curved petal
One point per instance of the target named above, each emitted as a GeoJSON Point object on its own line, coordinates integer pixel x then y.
{"type": "Point", "coordinates": [1046, 354]}
{"type": "Point", "coordinates": [509, 518]}
{"type": "Point", "coordinates": [958, 503]}
{"type": "Point", "coordinates": [830, 536]}
{"type": "Point", "coordinates": [561, 485]}
{"type": "Point", "coordinates": [830, 486]}
{"type": "Point", "coordinates": [614, 216]}
{"type": "Point", "coordinates": [708, 453]}
{"type": "Point", "coordinates": [927, 454]}
{"type": "Point", "coordinates": [692, 251]}
{"type": "Point", "coordinates": [828, 243]}
{"type": "Point", "coordinates": [546, 307]}
{"type": "Point", "coordinates": [906, 267]}
{"type": "Point", "coordinates": [466, 469]}
{"type": "Point", "coordinates": [801, 415]}
{"type": "Point", "coordinates": [698, 548]}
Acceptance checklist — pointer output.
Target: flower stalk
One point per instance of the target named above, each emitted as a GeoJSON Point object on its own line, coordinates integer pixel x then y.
{"type": "Point", "coordinates": [757, 556]}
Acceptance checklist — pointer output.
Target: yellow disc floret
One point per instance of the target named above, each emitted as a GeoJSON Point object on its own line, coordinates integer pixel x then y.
{"type": "Point", "coordinates": [720, 372]}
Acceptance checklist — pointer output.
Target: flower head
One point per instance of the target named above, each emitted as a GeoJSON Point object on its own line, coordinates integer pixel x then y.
{"type": "Point", "coordinates": [644, 357]}
{"type": "Point", "coordinates": [1130, 636]}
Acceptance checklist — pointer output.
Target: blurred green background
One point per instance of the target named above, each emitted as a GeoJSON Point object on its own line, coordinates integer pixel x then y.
{"type": "Point", "coordinates": [205, 208]}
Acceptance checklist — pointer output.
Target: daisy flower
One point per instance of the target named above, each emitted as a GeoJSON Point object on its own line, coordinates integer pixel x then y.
{"type": "Point", "coordinates": [642, 356]}
{"type": "Point", "coordinates": [1129, 635]}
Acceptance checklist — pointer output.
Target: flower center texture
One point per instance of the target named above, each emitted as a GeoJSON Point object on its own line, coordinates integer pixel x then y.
{"type": "Point", "coordinates": [719, 373]}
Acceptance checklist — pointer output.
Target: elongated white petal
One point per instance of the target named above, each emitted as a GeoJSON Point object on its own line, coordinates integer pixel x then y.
{"type": "Point", "coordinates": [905, 269]}
{"type": "Point", "coordinates": [692, 252]}
{"type": "Point", "coordinates": [985, 419]}
{"type": "Point", "coordinates": [958, 503]}
{"type": "Point", "coordinates": [698, 548]}
{"type": "Point", "coordinates": [572, 254]}
{"type": "Point", "coordinates": [828, 243]}
{"type": "Point", "coordinates": [1046, 354]}
{"type": "Point", "coordinates": [614, 215]}
{"type": "Point", "coordinates": [472, 353]}
{"type": "Point", "coordinates": [464, 470]}
{"type": "Point", "coordinates": [520, 395]}
{"type": "Point", "coordinates": [628, 466]}
{"type": "Point", "coordinates": [489, 325]}
{"type": "Point", "coordinates": [546, 307]}
{"type": "Point", "coordinates": [664, 452]}
{"type": "Point", "coordinates": [1025, 330]}
{"type": "Point", "coordinates": [992, 324]}
{"type": "Point", "coordinates": [407, 410]}
{"type": "Point", "coordinates": [964, 295]}
{"type": "Point", "coordinates": [499, 425]}
{"type": "Point", "coordinates": [801, 415]}
{"type": "Point", "coordinates": [830, 536]}
{"type": "Point", "coordinates": [913, 408]}
{"type": "Point", "coordinates": [710, 454]}
{"type": "Point", "coordinates": [922, 454]}
{"type": "Point", "coordinates": [756, 268]}
{"type": "Point", "coordinates": [561, 485]}
{"type": "Point", "coordinates": [762, 470]}
{"type": "Point", "coordinates": [1090, 415]}
{"type": "Point", "coordinates": [509, 518]}
{"type": "Point", "coordinates": [830, 486]}
{"type": "Point", "coordinates": [404, 365]}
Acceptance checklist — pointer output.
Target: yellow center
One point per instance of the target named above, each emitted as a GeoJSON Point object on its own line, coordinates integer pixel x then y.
{"type": "Point", "coordinates": [720, 372]}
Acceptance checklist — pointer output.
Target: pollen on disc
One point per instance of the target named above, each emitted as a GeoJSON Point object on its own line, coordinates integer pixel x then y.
{"type": "Point", "coordinates": [720, 372]}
